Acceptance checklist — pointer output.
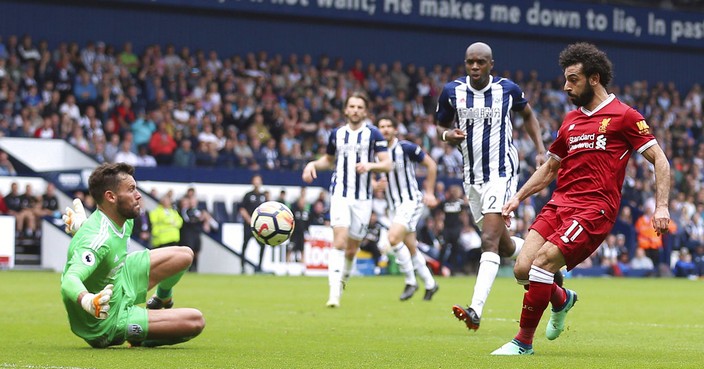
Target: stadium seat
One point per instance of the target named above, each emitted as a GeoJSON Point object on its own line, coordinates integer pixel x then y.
{"type": "Point", "coordinates": [236, 217]}
{"type": "Point", "coordinates": [220, 213]}
{"type": "Point", "coordinates": [202, 205]}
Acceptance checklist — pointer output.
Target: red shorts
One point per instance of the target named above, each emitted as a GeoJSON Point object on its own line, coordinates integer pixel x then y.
{"type": "Point", "coordinates": [576, 232]}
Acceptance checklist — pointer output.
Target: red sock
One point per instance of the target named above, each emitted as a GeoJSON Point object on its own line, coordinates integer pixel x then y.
{"type": "Point", "coordinates": [559, 297]}
{"type": "Point", "coordinates": [535, 301]}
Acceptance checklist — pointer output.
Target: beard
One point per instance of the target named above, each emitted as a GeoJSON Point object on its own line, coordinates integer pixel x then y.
{"type": "Point", "coordinates": [584, 98]}
{"type": "Point", "coordinates": [126, 210]}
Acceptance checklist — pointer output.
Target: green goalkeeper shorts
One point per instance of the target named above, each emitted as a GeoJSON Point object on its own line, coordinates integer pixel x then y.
{"type": "Point", "coordinates": [131, 321]}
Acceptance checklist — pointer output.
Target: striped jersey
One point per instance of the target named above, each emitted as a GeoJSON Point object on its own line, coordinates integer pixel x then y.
{"type": "Point", "coordinates": [403, 185]}
{"type": "Point", "coordinates": [95, 259]}
{"type": "Point", "coordinates": [349, 148]}
{"type": "Point", "coordinates": [484, 115]}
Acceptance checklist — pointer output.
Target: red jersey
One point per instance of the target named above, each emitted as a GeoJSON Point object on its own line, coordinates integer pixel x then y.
{"type": "Point", "coordinates": [593, 148]}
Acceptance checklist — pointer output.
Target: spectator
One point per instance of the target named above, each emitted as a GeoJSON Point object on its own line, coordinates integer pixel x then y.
{"type": "Point", "coordinates": [648, 239]}
{"type": "Point", "coordinates": [6, 167]}
{"type": "Point", "coordinates": [3, 206]}
{"type": "Point", "coordinates": [26, 219]}
{"type": "Point", "coordinates": [318, 214]}
{"type": "Point", "coordinates": [143, 157]}
{"type": "Point", "coordinates": [125, 155]}
{"type": "Point", "coordinates": [128, 59]}
{"type": "Point", "coordinates": [162, 145]}
{"type": "Point", "coordinates": [685, 267]}
{"type": "Point", "coordinates": [143, 128]}
{"type": "Point", "coordinates": [624, 226]}
{"type": "Point", "coordinates": [142, 229]}
{"type": "Point", "coordinates": [184, 156]}
{"type": "Point", "coordinates": [642, 263]}
{"type": "Point", "coordinates": [49, 204]}
{"type": "Point", "coordinates": [85, 90]}
{"type": "Point", "coordinates": [166, 224]}
{"type": "Point", "coordinates": [70, 108]}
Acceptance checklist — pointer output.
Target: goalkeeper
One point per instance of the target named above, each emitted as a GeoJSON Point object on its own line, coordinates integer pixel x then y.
{"type": "Point", "coordinates": [101, 284]}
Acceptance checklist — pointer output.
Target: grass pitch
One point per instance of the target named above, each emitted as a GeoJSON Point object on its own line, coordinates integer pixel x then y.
{"type": "Point", "coordinates": [281, 322]}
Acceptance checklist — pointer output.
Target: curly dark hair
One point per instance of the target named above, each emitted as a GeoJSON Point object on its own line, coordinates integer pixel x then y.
{"type": "Point", "coordinates": [594, 61]}
{"type": "Point", "coordinates": [107, 177]}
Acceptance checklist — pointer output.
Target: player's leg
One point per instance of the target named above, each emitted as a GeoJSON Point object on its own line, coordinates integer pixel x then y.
{"type": "Point", "coordinates": [396, 235]}
{"type": "Point", "coordinates": [336, 262]}
{"type": "Point", "coordinates": [169, 327]}
{"type": "Point", "coordinates": [548, 260]}
{"type": "Point", "coordinates": [246, 237]}
{"type": "Point", "coordinates": [420, 266]}
{"type": "Point", "coordinates": [167, 266]}
{"type": "Point", "coordinates": [340, 222]}
{"type": "Point", "coordinates": [360, 214]}
{"type": "Point", "coordinates": [485, 204]}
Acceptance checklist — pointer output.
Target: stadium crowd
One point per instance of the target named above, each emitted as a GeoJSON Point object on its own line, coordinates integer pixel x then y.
{"type": "Point", "coordinates": [169, 106]}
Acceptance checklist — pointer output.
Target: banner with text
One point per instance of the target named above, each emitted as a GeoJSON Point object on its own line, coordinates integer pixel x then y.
{"type": "Point", "coordinates": [539, 17]}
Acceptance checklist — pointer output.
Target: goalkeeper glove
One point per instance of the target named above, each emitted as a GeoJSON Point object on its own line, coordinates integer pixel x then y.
{"type": "Point", "coordinates": [74, 218]}
{"type": "Point", "coordinates": [98, 305]}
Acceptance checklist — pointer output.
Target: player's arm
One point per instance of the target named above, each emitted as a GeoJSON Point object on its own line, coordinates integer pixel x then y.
{"type": "Point", "coordinates": [382, 165]}
{"type": "Point", "coordinates": [310, 171]}
{"type": "Point", "coordinates": [533, 129]}
{"type": "Point", "coordinates": [542, 177]}
{"type": "Point", "coordinates": [82, 265]}
{"type": "Point", "coordinates": [432, 169]}
{"type": "Point", "coordinates": [445, 117]}
{"type": "Point", "coordinates": [246, 217]}
{"type": "Point", "coordinates": [661, 217]}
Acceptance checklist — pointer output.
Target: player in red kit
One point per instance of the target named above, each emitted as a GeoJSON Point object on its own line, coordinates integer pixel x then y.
{"type": "Point", "coordinates": [588, 158]}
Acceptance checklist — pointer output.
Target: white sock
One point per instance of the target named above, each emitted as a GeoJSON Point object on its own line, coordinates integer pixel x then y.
{"type": "Point", "coordinates": [488, 268]}
{"type": "Point", "coordinates": [347, 271]}
{"type": "Point", "coordinates": [335, 263]}
{"type": "Point", "coordinates": [519, 245]}
{"type": "Point", "coordinates": [423, 271]}
{"type": "Point", "coordinates": [405, 264]}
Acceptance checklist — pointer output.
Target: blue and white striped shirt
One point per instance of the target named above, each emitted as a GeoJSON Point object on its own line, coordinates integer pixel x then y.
{"type": "Point", "coordinates": [488, 152]}
{"type": "Point", "coordinates": [349, 148]}
{"type": "Point", "coordinates": [403, 185]}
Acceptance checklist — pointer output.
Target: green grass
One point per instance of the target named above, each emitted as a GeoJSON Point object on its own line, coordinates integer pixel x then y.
{"type": "Point", "coordinates": [281, 322]}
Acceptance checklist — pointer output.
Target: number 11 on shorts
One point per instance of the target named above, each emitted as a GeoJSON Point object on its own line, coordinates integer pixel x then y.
{"type": "Point", "coordinates": [572, 232]}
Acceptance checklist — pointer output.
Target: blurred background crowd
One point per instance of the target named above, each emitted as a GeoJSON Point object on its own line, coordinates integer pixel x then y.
{"type": "Point", "coordinates": [174, 106]}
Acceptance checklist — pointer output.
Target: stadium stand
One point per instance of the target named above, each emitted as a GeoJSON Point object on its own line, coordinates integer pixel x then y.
{"type": "Point", "coordinates": [257, 110]}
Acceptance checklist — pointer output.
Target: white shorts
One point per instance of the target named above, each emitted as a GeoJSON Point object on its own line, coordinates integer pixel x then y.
{"type": "Point", "coordinates": [407, 214]}
{"type": "Point", "coordinates": [489, 197]}
{"type": "Point", "coordinates": [352, 214]}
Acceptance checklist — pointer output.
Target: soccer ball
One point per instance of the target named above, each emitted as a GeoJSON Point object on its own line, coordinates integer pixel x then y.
{"type": "Point", "coordinates": [272, 223]}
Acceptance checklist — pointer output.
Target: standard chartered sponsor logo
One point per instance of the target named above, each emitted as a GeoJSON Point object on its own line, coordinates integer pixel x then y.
{"type": "Point", "coordinates": [587, 141]}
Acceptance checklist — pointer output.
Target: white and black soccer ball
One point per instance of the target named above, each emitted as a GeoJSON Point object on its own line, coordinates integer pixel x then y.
{"type": "Point", "coordinates": [272, 223]}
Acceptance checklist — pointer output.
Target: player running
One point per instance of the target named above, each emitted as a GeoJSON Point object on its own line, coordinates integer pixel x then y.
{"type": "Point", "coordinates": [588, 159]}
{"type": "Point", "coordinates": [476, 113]}
{"type": "Point", "coordinates": [354, 150]}
{"type": "Point", "coordinates": [405, 204]}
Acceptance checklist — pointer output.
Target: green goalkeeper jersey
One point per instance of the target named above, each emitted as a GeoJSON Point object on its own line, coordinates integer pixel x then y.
{"type": "Point", "coordinates": [95, 259]}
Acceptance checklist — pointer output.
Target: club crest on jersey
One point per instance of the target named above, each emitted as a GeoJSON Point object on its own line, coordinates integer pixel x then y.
{"type": "Point", "coordinates": [604, 124]}
{"type": "Point", "coordinates": [134, 330]}
{"type": "Point", "coordinates": [643, 127]}
{"type": "Point", "coordinates": [88, 258]}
